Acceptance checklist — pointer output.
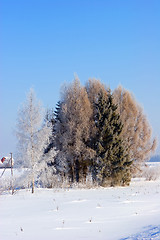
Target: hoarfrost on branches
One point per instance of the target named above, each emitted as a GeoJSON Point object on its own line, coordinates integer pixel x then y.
{"type": "Point", "coordinates": [33, 138]}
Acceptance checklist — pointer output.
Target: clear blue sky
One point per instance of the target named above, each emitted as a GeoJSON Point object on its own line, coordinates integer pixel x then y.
{"type": "Point", "coordinates": [44, 42]}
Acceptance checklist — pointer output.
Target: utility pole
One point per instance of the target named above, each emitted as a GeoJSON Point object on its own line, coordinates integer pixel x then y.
{"type": "Point", "coordinates": [12, 173]}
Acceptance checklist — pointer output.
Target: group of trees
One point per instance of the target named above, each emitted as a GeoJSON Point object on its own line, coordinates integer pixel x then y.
{"type": "Point", "coordinates": [93, 133]}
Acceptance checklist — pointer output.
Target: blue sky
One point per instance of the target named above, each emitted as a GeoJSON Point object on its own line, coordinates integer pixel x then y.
{"type": "Point", "coordinates": [43, 43]}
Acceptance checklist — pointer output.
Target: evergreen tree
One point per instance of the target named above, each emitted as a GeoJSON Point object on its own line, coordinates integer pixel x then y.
{"type": "Point", "coordinates": [50, 172]}
{"type": "Point", "coordinates": [50, 120]}
{"type": "Point", "coordinates": [59, 139]}
{"type": "Point", "coordinates": [113, 164]}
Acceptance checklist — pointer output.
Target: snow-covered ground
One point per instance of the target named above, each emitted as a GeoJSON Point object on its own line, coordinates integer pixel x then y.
{"type": "Point", "coordinates": [72, 214]}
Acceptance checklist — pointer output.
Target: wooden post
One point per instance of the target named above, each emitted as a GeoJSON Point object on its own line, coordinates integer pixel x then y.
{"type": "Point", "coordinates": [12, 174]}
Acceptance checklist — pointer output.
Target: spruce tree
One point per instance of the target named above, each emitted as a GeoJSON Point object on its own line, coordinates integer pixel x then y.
{"type": "Point", "coordinates": [113, 164]}
{"type": "Point", "coordinates": [59, 138]}
{"type": "Point", "coordinates": [50, 120]}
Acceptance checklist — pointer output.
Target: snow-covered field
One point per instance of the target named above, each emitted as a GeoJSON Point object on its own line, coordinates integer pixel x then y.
{"type": "Point", "coordinates": [72, 214]}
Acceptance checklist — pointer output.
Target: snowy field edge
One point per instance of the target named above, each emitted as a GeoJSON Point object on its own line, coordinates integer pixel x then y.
{"type": "Point", "coordinates": [131, 212]}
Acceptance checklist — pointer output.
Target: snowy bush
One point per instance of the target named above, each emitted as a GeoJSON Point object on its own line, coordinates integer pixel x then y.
{"type": "Point", "coordinates": [151, 172]}
{"type": "Point", "coordinates": [7, 183]}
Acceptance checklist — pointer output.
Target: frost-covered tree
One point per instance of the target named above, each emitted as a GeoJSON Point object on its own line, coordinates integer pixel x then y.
{"type": "Point", "coordinates": [137, 132]}
{"type": "Point", "coordinates": [32, 138]}
{"type": "Point", "coordinates": [47, 176]}
{"type": "Point", "coordinates": [93, 88]}
{"type": "Point", "coordinates": [72, 132]}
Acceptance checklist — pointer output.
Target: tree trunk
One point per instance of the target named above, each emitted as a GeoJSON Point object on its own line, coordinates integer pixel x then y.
{"type": "Point", "coordinates": [77, 170]}
{"type": "Point", "coordinates": [32, 183]}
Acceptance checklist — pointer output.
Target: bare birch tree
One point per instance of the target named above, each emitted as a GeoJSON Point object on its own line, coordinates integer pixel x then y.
{"type": "Point", "coordinates": [32, 137]}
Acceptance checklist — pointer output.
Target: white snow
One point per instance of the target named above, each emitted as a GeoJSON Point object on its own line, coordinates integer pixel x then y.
{"type": "Point", "coordinates": [72, 214]}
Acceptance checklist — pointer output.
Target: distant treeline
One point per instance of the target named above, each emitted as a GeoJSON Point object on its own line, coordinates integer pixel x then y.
{"type": "Point", "coordinates": [155, 158]}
